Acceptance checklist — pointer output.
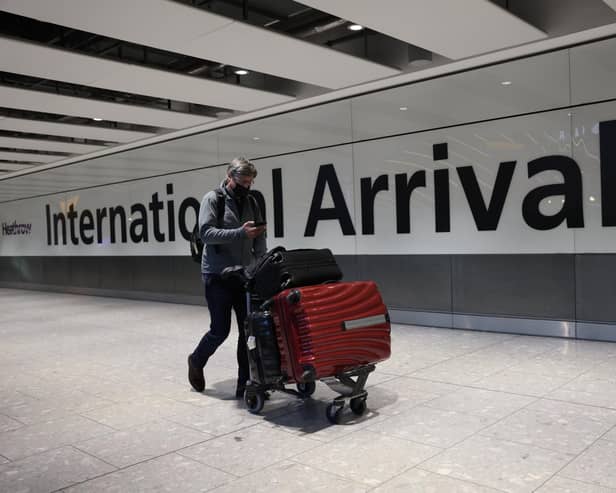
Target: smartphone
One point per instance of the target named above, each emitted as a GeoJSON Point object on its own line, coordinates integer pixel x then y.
{"type": "Point", "coordinates": [256, 224]}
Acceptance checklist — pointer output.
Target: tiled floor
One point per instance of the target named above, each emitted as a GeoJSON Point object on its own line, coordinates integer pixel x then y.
{"type": "Point", "coordinates": [93, 397]}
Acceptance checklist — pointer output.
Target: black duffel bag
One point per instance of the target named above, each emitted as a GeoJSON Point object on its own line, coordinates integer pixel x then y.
{"type": "Point", "coordinates": [280, 269]}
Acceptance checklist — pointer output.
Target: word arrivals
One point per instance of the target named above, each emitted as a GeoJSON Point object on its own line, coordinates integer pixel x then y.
{"type": "Point", "coordinates": [486, 216]}
{"type": "Point", "coordinates": [117, 223]}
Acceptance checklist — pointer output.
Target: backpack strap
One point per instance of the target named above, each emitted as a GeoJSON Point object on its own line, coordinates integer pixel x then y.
{"type": "Point", "coordinates": [220, 212]}
{"type": "Point", "coordinates": [220, 207]}
{"type": "Point", "coordinates": [254, 206]}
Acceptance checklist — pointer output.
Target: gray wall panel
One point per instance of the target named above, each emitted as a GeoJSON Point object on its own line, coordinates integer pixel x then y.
{"type": "Point", "coordinates": [85, 272]}
{"type": "Point", "coordinates": [596, 287]}
{"type": "Point", "coordinates": [23, 269]}
{"type": "Point", "coordinates": [118, 272]}
{"type": "Point", "coordinates": [486, 287]}
{"type": "Point", "coordinates": [153, 274]}
{"type": "Point", "coordinates": [349, 265]}
{"type": "Point", "coordinates": [8, 270]}
{"type": "Point", "coordinates": [539, 286]}
{"type": "Point", "coordinates": [11, 268]}
{"type": "Point", "coordinates": [187, 276]}
{"type": "Point", "coordinates": [56, 270]}
{"type": "Point", "coordinates": [33, 269]}
{"type": "Point", "coordinates": [414, 282]}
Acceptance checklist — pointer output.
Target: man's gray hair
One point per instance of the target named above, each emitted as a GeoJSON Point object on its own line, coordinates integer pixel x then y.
{"type": "Point", "coordinates": [240, 166]}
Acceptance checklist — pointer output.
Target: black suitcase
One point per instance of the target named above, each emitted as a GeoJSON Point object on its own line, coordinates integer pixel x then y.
{"type": "Point", "coordinates": [263, 352]}
{"type": "Point", "coordinates": [281, 269]}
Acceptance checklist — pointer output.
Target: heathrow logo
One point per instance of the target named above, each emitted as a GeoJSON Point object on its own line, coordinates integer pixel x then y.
{"type": "Point", "coordinates": [15, 228]}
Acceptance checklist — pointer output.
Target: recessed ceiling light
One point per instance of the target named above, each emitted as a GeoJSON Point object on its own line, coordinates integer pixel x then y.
{"type": "Point", "coordinates": [506, 83]}
{"type": "Point", "coordinates": [355, 27]}
{"type": "Point", "coordinates": [591, 198]}
{"type": "Point", "coordinates": [403, 108]}
{"type": "Point", "coordinates": [241, 72]}
{"type": "Point", "coordinates": [97, 119]}
{"type": "Point", "coordinates": [256, 138]}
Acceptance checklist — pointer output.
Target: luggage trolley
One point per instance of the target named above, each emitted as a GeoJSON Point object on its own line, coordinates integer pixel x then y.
{"type": "Point", "coordinates": [272, 369]}
{"type": "Point", "coordinates": [334, 332]}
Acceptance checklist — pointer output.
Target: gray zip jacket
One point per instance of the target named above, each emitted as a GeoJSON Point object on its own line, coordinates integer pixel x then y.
{"type": "Point", "coordinates": [234, 247]}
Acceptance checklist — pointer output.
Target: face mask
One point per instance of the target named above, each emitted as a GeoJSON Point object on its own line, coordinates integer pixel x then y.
{"type": "Point", "coordinates": [240, 190]}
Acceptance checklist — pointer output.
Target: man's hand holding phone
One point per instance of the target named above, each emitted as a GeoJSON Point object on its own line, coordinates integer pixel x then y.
{"type": "Point", "coordinates": [254, 228]}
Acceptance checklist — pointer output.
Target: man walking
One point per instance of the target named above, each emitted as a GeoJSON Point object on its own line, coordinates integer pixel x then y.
{"type": "Point", "coordinates": [230, 237]}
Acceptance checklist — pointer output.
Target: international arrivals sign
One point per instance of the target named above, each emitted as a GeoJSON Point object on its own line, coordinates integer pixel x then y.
{"type": "Point", "coordinates": [332, 206]}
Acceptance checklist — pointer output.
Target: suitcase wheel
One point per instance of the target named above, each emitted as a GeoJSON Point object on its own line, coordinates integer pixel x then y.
{"type": "Point", "coordinates": [334, 413]}
{"type": "Point", "coordinates": [254, 401]}
{"type": "Point", "coordinates": [358, 405]}
{"type": "Point", "coordinates": [306, 389]}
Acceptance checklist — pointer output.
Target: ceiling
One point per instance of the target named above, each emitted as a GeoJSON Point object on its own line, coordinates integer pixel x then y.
{"type": "Point", "coordinates": [79, 77]}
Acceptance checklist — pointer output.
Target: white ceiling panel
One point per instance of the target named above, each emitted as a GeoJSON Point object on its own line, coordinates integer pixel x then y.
{"type": "Point", "coordinates": [14, 166]}
{"type": "Point", "coordinates": [281, 55]}
{"type": "Point", "coordinates": [452, 28]}
{"type": "Point", "coordinates": [70, 130]}
{"type": "Point", "coordinates": [195, 32]}
{"type": "Point", "coordinates": [24, 99]}
{"type": "Point", "coordinates": [115, 18]}
{"type": "Point", "coordinates": [47, 145]}
{"type": "Point", "coordinates": [41, 61]}
{"type": "Point", "coordinates": [27, 157]}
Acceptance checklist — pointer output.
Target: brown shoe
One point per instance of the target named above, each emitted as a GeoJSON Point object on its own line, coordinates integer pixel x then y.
{"type": "Point", "coordinates": [195, 376]}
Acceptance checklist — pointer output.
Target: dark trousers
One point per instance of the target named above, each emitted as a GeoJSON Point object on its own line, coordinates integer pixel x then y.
{"type": "Point", "coordinates": [222, 297]}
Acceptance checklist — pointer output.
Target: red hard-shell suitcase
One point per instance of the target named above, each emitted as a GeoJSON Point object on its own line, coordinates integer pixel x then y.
{"type": "Point", "coordinates": [328, 329]}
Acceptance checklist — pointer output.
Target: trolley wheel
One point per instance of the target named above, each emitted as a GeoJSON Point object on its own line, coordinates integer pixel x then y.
{"type": "Point", "coordinates": [254, 401]}
{"type": "Point", "coordinates": [306, 389]}
{"type": "Point", "coordinates": [358, 405]}
{"type": "Point", "coordinates": [334, 413]}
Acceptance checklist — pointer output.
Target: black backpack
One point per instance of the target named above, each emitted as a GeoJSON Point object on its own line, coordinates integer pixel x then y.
{"type": "Point", "coordinates": [196, 245]}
